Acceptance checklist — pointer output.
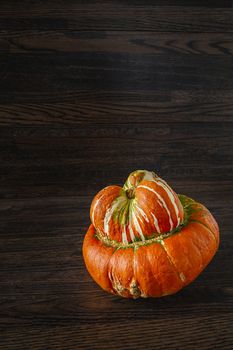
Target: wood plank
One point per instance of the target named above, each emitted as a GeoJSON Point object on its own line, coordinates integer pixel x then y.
{"type": "Point", "coordinates": [117, 41]}
{"type": "Point", "coordinates": [100, 335]}
{"type": "Point", "coordinates": [80, 108]}
{"type": "Point", "coordinates": [72, 72]}
{"type": "Point", "coordinates": [115, 15]}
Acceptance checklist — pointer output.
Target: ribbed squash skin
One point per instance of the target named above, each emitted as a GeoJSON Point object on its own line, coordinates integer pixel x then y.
{"type": "Point", "coordinates": [158, 266]}
{"type": "Point", "coordinates": [154, 209]}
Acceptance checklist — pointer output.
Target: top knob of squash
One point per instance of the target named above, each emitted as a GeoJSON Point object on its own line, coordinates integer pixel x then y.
{"type": "Point", "coordinates": [145, 207]}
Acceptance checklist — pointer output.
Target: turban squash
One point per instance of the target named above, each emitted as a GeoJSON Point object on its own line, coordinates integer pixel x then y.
{"type": "Point", "coordinates": [145, 240]}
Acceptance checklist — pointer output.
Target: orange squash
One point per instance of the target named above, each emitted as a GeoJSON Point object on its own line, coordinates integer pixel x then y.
{"type": "Point", "coordinates": [145, 240]}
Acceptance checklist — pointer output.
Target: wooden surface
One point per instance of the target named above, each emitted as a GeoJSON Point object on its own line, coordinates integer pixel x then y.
{"type": "Point", "coordinates": [90, 91]}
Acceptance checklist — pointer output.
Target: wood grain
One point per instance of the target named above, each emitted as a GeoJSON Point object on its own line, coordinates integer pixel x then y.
{"type": "Point", "coordinates": [117, 41]}
{"type": "Point", "coordinates": [116, 15]}
{"type": "Point", "coordinates": [90, 91]}
{"type": "Point", "coordinates": [68, 71]}
{"type": "Point", "coordinates": [124, 107]}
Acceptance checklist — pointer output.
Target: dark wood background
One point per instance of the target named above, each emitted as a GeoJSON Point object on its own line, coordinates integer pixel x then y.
{"type": "Point", "coordinates": [90, 91]}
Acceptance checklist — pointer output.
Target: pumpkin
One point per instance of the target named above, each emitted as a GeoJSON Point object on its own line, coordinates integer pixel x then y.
{"type": "Point", "coordinates": [145, 240]}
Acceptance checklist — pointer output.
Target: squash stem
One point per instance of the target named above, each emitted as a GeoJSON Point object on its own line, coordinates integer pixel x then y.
{"type": "Point", "coordinates": [130, 193]}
